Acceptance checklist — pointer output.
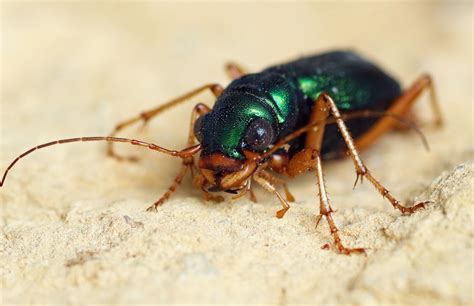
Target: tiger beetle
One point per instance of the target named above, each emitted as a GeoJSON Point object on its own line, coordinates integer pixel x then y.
{"type": "Point", "coordinates": [283, 121]}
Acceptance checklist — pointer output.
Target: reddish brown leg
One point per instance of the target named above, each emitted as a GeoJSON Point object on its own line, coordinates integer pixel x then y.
{"type": "Point", "coordinates": [305, 159]}
{"type": "Point", "coordinates": [326, 211]}
{"type": "Point", "coordinates": [145, 116]}
{"type": "Point", "coordinates": [213, 198]}
{"type": "Point", "coordinates": [402, 107]}
{"type": "Point", "coordinates": [247, 190]}
{"type": "Point", "coordinates": [270, 188]}
{"type": "Point", "coordinates": [234, 71]}
{"type": "Point", "coordinates": [198, 110]}
{"type": "Point", "coordinates": [361, 169]}
{"type": "Point", "coordinates": [199, 181]}
{"type": "Point", "coordinates": [177, 181]}
{"type": "Point", "coordinates": [278, 162]}
{"type": "Point", "coordinates": [252, 196]}
{"type": "Point", "coordinates": [277, 181]}
{"type": "Point", "coordinates": [308, 159]}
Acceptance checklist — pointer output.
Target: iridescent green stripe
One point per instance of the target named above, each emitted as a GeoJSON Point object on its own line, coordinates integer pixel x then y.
{"type": "Point", "coordinates": [274, 105]}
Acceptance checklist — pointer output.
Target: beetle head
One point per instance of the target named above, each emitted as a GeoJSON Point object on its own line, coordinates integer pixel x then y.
{"type": "Point", "coordinates": [232, 136]}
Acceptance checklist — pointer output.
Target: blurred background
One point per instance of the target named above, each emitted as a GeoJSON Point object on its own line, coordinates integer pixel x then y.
{"type": "Point", "coordinates": [77, 68]}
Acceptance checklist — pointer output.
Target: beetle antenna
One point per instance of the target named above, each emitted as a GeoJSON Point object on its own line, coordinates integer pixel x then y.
{"type": "Point", "coordinates": [403, 120]}
{"type": "Point", "coordinates": [188, 152]}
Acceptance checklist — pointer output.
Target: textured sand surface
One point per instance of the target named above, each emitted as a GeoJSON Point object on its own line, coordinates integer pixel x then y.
{"type": "Point", "coordinates": [74, 226]}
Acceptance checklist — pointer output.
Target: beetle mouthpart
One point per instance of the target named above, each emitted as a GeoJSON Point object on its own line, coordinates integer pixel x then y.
{"type": "Point", "coordinates": [232, 191]}
{"type": "Point", "coordinates": [213, 189]}
{"type": "Point", "coordinates": [218, 162]}
{"type": "Point", "coordinates": [209, 176]}
{"type": "Point", "coordinates": [236, 179]}
{"type": "Point", "coordinates": [220, 180]}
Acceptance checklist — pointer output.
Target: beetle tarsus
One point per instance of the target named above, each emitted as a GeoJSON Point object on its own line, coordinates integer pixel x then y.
{"type": "Point", "coordinates": [152, 208]}
{"type": "Point", "coordinates": [281, 213]}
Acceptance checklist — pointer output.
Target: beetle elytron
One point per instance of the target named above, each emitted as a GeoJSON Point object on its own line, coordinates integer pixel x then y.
{"type": "Point", "coordinates": [279, 120]}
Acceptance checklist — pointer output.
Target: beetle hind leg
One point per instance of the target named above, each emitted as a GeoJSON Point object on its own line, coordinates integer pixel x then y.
{"type": "Point", "coordinates": [403, 106]}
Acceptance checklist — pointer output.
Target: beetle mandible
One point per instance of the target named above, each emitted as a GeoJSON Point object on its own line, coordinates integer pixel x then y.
{"type": "Point", "coordinates": [284, 120]}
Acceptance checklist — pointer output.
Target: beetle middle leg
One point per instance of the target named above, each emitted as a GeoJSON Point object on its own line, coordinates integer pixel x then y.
{"type": "Point", "coordinates": [308, 159]}
{"type": "Point", "coordinates": [326, 210]}
{"type": "Point", "coordinates": [145, 116]}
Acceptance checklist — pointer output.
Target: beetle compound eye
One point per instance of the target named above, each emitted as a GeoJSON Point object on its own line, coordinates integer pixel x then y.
{"type": "Point", "coordinates": [198, 128]}
{"type": "Point", "coordinates": [259, 134]}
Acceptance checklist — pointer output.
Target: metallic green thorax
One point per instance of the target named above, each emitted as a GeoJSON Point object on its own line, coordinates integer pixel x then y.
{"type": "Point", "coordinates": [267, 96]}
{"type": "Point", "coordinates": [225, 127]}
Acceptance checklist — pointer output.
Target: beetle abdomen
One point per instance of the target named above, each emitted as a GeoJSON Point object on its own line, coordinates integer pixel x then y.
{"type": "Point", "coordinates": [353, 82]}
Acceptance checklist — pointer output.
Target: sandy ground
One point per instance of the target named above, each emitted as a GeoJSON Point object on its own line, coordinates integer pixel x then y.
{"type": "Point", "coordinates": [74, 226]}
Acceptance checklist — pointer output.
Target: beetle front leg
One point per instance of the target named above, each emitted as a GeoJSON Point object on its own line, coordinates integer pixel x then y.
{"type": "Point", "coordinates": [199, 181]}
{"type": "Point", "coordinates": [198, 110]}
{"type": "Point", "coordinates": [277, 181]}
{"type": "Point", "coordinates": [270, 188]}
{"type": "Point", "coordinates": [177, 181]}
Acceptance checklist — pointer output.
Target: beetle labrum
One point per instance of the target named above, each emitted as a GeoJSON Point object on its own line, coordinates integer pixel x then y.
{"type": "Point", "coordinates": [284, 120]}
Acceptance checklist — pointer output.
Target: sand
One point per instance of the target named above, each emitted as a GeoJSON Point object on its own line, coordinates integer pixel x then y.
{"type": "Point", "coordinates": [74, 226]}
